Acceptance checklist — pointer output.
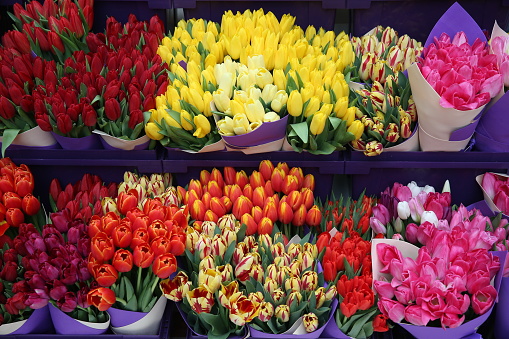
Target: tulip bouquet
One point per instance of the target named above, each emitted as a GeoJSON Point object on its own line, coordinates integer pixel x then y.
{"type": "Point", "coordinates": [80, 200]}
{"type": "Point", "coordinates": [271, 196]}
{"type": "Point", "coordinates": [346, 263]}
{"type": "Point", "coordinates": [206, 290]}
{"type": "Point", "coordinates": [55, 264]}
{"type": "Point", "coordinates": [386, 115]}
{"type": "Point", "coordinates": [400, 206]}
{"type": "Point", "coordinates": [287, 283]}
{"type": "Point", "coordinates": [183, 117]}
{"type": "Point", "coordinates": [495, 191]}
{"type": "Point", "coordinates": [51, 30]}
{"type": "Point", "coordinates": [443, 284]}
{"type": "Point", "coordinates": [453, 80]}
{"type": "Point", "coordinates": [17, 80]}
{"type": "Point", "coordinates": [108, 90]}
{"type": "Point", "coordinates": [17, 204]}
{"type": "Point", "coordinates": [148, 239]}
{"type": "Point", "coordinates": [348, 216]}
{"type": "Point", "coordinates": [381, 52]}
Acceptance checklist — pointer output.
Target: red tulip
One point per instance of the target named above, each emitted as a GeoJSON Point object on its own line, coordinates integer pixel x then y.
{"type": "Point", "coordinates": [270, 209]}
{"type": "Point", "coordinates": [309, 182]}
{"type": "Point", "coordinates": [164, 265]}
{"type": "Point", "coordinates": [277, 179]}
{"type": "Point", "coordinates": [299, 216]}
{"type": "Point", "coordinates": [101, 297]}
{"type": "Point", "coordinates": [290, 183]}
{"type": "Point", "coordinates": [285, 213]}
{"type": "Point", "coordinates": [102, 247]}
{"type": "Point", "coordinates": [30, 204]}
{"type": "Point", "coordinates": [126, 201]}
{"type": "Point", "coordinates": [105, 275]}
{"type": "Point", "coordinates": [122, 260]}
{"type": "Point", "coordinates": [143, 255]}
{"type": "Point", "coordinates": [121, 236]}
{"type": "Point", "coordinates": [160, 245]}
{"type": "Point", "coordinates": [198, 210]}
{"type": "Point", "coordinates": [217, 176]}
{"type": "Point", "coordinates": [7, 109]}
{"type": "Point", "coordinates": [229, 175]}
{"type": "Point", "coordinates": [241, 206]}
{"type": "Point", "coordinates": [314, 216]}
{"type": "Point", "coordinates": [241, 179]}
{"type": "Point", "coordinates": [11, 200]}
{"type": "Point", "coordinates": [14, 217]}
{"type": "Point", "coordinates": [55, 41]}
{"type": "Point", "coordinates": [265, 226]}
{"type": "Point", "coordinates": [266, 168]}
{"type": "Point", "coordinates": [112, 109]}
{"type": "Point", "coordinates": [251, 225]}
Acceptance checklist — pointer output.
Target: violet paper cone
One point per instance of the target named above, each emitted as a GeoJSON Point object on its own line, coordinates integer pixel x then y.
{"type": "Point", "coordinates": [269, 137]}
{"type": "Point", "coordinates": [89, 142]}
{"type": "Point", "coordinates": [38, 322]}
{"type": "Point", "coordinates": [491, 135]}
{"type": "Point", "coordinates": [64, 324]}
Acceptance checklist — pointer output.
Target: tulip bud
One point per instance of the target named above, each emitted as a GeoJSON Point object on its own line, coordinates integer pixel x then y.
{"type": "Point", "coordinates": [295, 103]}
{"type": "Point", "coordinates": [266, 311]}
{"type": "Point", "coordinates": [282, 312]}
{"type": "Point", "coordinates": [310, 321]}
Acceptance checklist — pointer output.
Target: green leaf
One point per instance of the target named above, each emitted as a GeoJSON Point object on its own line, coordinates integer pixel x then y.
{"type": "Point", "coordinates": [302, 131]}
{"type": "Point", "coordinates": [8, 137]}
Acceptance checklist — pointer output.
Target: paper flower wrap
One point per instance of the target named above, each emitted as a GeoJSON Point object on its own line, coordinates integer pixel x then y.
{"type": "Point", "coordinates": [492, 186]}
{"type": "Point", "coordinates": [443, 124]}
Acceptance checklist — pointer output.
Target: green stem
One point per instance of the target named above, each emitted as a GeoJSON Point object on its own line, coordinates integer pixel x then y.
{"type": "Point", "coordinates": [138, 281]}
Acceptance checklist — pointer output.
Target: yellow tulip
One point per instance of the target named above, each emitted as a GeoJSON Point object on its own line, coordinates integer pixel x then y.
{"type": "Point", "coordinates": [152, 131]}
{"type": "Point", "coordinates": [279, 100]}
{"type": "Point", "coordinates": [240, 124]}
{"type": "Point", "coordinates": [269, 57]}
{"type": "Point", "coordinates": [307, 91]}
{"type": "Point", "coordinates": [317, 123]}
{"type": "Point", "coordinates": [185, 120]}
{"type": "Point", "coordinates": [326, 109]}
{"type": "Point", "coordinates": [286, 23]}
{"type": "Point", "coordinates": [195, 86]}
{"type": "Point", "coordinates": [234, 46]}
{"type": "Point", "coordinates": [310, 32]}
{"type": "Point", "coordinates": [225, 126]}
{"type": "Point", "coordinates": [212, 28]}
{"type": "Point", "coordinates": [340, 107]}
{"type": "Point", "coordinates": [236, 107]}
{"type": "Point", "coordinates": [169, 120]}
{"type": "Point", "coordinates": [221, 100]}
{"type": "Point", "coordinates": [350, 115]}
{"type": "Point", "coordinates": [246, 79]}
{"type": "Point", "coordinates": [269, 92]}
{"type": "Point", "coordinates": [165, 53]}
{"type": "Point", "coordinates": [208, 40]}
{"type": "Point", "coordinates": [294, 103]}
{"type": "Point", "coordinates": [271, 116]}
{"type": "Point", "coordinates": [254, 93]}
{"type": "Point", "coordinates": [196, 99]}
{"type": "Point", "coordinates": [319, 91]}
{"type": "Point", "coordinates": [356, 128]}
{"type": "Point", "coordinates": [175, 105]}
{"type": "Point", "coordinates": [154, 116]}
{"type": "Point", "coordinates": [184, 93]}
{"type": "Point", "coordinates": [279, 78]}
{"type": "Point", "coordinates": [312, 107]}
{"type": "Point", "coordinates": [326, 98]}
{"type": "Point", "coordinates": [254, 110]}
{"type": "Point", "coordinates": [161, 101]}
{"type": "Point", "coordinates": [254, 125]}
{"type": "Point", "coordinates": [210, 60]}
{"type": "Point", "coordinates": [202, 126]}
{"type": "Point", "coordinates": [281, 57]}
{"type": "Point", "coordinates": [207, 99]}
{"type": "Point", "coordinates": [255, 62]}
{"type": "Point", "coordinates": [301, 48]}
{"type": "Point", "coordinates": [263, 78]}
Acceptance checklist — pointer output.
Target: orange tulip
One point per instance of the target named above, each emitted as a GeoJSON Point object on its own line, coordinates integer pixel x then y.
{"type": "Point", "coordinates": [265, 226]}
{"type": "Point", "coordinates": [266, 168]}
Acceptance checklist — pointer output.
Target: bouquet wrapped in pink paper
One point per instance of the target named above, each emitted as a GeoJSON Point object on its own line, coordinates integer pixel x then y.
{"type": "Point", "coordinates": [453, 81]}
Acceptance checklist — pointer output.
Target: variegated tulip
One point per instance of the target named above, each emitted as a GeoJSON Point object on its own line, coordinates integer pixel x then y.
{"type": "Point", "coordinates": [203, 246]}
{"type": "Point", "coordinates": [200, 299]}
{"type": "Point", "coordinates": [243, 311]}
{"type": "Point", "coordinates": [294, 297]}
{"type": "Point", "coordinates": [175, 289]}
{"type": "Point", "coordinates": [310, 321]}
{"type": "Point", "coordinates": [282, 312]}
{"type": "Point", "coordinates": [226, 272]}
{"type": "Point", "coordinates": [277, 249]}
{"type": "Point", "coordinates": [270, 285]}
{"type": "Point", "coordinates": [331, 292]}
{"type": "Point", "coordinates": [256, 272]}
{"type": "Point", "coordinates": [266, 311]}
{"type": "Point", "coordinates": [283, 260]}
{"type": "Point", "coordinates": [295, 267]}
{"type": "Point", "coordinates": [294, 249]}
{"type": "Point", "coordinates": [309, 281]}
{"type": "Point", "coordinates": [244, 267]}
{"type": "Point", "coordinates": [207, 263]}
{"type": "Point", "coordinates": [210, 278]}
{"type": "Point", "coordinates": [278, 295]}
{"type": "Point", "coordinates": [192, 237]}
{"type": "Point", "coordinates": [320, 297]}
{"type": "Point", "coordinates": [219, 245]}
{"type": "Point", "coordinates": [229, 292]}
{"type": "Point", "coordinates": [293, 283]}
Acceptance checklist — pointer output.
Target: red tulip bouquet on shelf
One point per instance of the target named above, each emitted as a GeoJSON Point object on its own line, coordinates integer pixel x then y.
{"type": "Point", "coordinates": [51, 30]}
{"type": "Point", "coordinates": [348, 216]}
{"type": "Point", "coordinates": [131, 252]}
{"type": "Point", "coordinates": [107, 90]}
{"type": "Point", "coordinates": [80, 200]}
{"type": "Point", "coordinates": [346, 263]}
{"type": "Point", "coordinates": [17, 205]}
{"type": "Point", "coordinates": [17, 80]}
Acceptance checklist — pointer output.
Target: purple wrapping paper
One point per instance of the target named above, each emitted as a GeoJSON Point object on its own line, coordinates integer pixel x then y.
{"type": "Point", "coordinates": [491, 136]}
{"type": "Point", "coordinates": [38, 322]}
{"type": "Point", "coordinates": [64, 324]}
{"type": "Point", "coordinates": [454, 20]}
{"type": "Point", "coordinates": [316, 334]}
{"type": "Point", "coordinates": [192, 334]}
{"type": "Point", "coordinates": [486, 144]}
{"type": "Point", "coordinates": [121, 318]}
{"type": "Point", "coordinates": [267, 132]}
{"type": "Point", "coordinates": [467, 131]}
{"type": "Point", "coordinates": [483, 207]}
{"type": "Point", "coordinates": [501, 323]}
{"type": "Point", "coordinates": [89, 142]}
{"type": "Point", "coordinates": [13, 147]}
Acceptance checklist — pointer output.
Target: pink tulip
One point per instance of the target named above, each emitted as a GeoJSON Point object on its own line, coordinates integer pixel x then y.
{"type": "Point", "coordinates": [386, 253]}
{"type": "Point", "coordinates": [381, 213]}
{"type": "Point", "coordinates": [483, 299]}
{"type": "Point", "coordinates": [384, 289]}
{"type": "Point", "coordinates": [392, 309]}
{"type": "Point", "coordinates": [417, 316]}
